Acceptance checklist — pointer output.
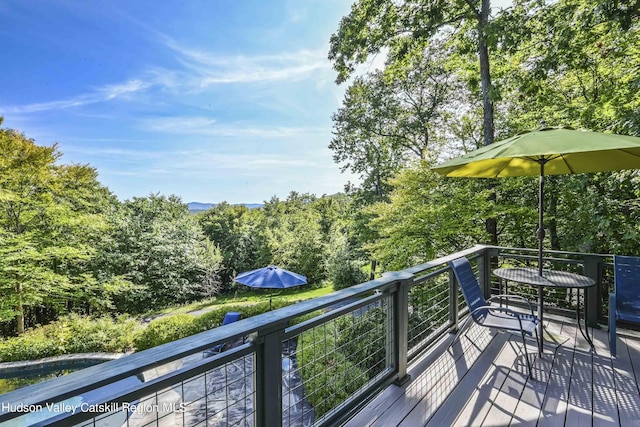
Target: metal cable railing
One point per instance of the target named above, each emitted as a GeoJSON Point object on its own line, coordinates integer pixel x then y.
{"type": "Point", "coordinates": [313, 363]}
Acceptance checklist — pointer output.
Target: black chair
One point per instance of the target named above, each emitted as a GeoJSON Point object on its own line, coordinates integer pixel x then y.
{"type": "Point", "coordinates": [484, 314]}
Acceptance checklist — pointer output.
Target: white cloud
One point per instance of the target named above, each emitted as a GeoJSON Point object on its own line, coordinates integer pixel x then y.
{"type": "Point", "coordinates": [260, 74]}
{"type": "Point", "coordinates": [122, 90]}
{"type": "Point", "coordinates": [210, 127]}
{"type": "Point", "coordinates": [44, 106]}
{"type": "Point", "coordinates": [172, 161]}
{"type": "Point", "coordinates": [116, 153]}
{"type": "Point", "coordinates": [206, 68]}
{"type": "Point", "coordinates": [100, 94]}
{"type": "Point", "coordinates": [200, 70]}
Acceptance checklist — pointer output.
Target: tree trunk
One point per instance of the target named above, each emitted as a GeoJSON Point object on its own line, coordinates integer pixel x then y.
{"type": "Point", "coordinates": [491, 225]}
{"type": "Point", "coordinates": [485, 73]}
{"type": "Point", "coordinates": [20, 317]}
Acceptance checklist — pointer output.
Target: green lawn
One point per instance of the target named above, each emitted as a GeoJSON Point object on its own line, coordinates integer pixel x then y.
{"type": "Point", "coordinates": [247, 296]}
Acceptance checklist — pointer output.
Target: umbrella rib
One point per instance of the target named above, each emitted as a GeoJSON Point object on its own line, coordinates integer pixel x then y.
{"type": "Point", "coordinates": [629, 152]}
{"type": "Point", "coordinates": [503, 168]}
{"type": "Point", "coordinates": [533, 159]}
{"type": "Point", "coordinates": [566, 163]}
{"type": "Point", "coordinates": [545, 160]}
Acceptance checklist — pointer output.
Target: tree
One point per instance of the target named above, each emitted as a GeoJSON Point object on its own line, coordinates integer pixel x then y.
{"type": "Point", "coordinates": [393, 117]}
{"type": "Point", "coordinates": [339, 226]}
{"type": "Point", "coordinates": [50, 219]}
{"type": "Point", "coordinates": [344, 267]}
{"type": "Point", "coordinates": [156, 245]}
{"type": "Point", "coordinates": [233, 229]}
{"type": "Point", "coordinates": [598, 212]}
{"type": "Point", "coordinates": [408, 26]}
{"type": "Point", "coordinates": [291, 236]}
{"type": "Point", "coordinates": [428, 216]}
{"type": "Point", "coordinates": [574, 65]}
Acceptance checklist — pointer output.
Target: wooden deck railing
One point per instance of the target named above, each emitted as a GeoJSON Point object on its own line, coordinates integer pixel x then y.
{"type": "Point", "coordinates": [315, 362]}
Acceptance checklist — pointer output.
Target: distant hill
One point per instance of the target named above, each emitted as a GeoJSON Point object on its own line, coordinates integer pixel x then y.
{"type": "Point", "coordinates": [195, 207]}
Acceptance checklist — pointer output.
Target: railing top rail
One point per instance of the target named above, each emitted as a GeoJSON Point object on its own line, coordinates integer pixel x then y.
{"type": "Point", "coordinates": [546, 251]}
{"type": "Point", "coordinates": [445, 259]}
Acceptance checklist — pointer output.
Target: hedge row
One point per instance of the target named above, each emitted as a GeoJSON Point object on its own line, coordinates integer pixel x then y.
{"type": "Point", "coordinates": [75, 334]}
{"type": "Point", "coordinates": [71, 334]}
{"type": "Point", "coordinates": [172, 328]}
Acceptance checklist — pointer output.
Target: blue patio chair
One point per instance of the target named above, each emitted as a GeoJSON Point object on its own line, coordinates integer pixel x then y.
{"type": "Point", "coordinates": [484, 314]}
{"type": "Point", "coordinates": [229, 317]}
{"type": "Point", "coordinates": [624, 302]}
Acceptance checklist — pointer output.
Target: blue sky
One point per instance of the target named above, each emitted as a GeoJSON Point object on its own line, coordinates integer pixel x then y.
{"type": "Point", "coordinates": [209, 100]}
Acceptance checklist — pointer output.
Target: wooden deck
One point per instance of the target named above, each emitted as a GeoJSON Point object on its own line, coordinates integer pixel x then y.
{"type": "Point", "coordinates": [483, 382]}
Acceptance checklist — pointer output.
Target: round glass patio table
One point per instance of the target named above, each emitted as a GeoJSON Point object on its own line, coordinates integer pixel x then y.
{"type": "Point", "coordinates": [550, 279]}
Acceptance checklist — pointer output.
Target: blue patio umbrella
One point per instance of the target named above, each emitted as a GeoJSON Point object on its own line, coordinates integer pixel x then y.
{"type": "Point", "coordinates": [270, 277]}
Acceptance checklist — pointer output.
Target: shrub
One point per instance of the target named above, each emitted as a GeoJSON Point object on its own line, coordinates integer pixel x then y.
{"type": "Point", "coordinates": [31, 345]}
{"type": "Point", "coordinates": [328, 377]}
{"type": "Point", "coordinates": [172, 328]}
{"type": "Point", "coordinates": [213, 319]}
{"type": "Point", "coordinates": [76, 334]}
{"type": "Point", "coordinates": [362, 340]}
{"type": "Point", "coordinates": [71, 334]}
{"type": "Point", "coordinates": [164, 330]}
{"type": "Point", "coordinates": [345, 273]}
{"type": "Point", "coordinates": [102, 334]}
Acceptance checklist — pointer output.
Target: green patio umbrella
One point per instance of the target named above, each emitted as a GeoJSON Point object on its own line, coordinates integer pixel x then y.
{"type": "Point", "coordinates": [547, 151]}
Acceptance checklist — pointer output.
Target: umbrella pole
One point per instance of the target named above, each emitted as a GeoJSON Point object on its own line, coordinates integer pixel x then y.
{"type": "Point", "coordinates": [540, 241]}
{"type": "Point", "coordinates": [540, 215]}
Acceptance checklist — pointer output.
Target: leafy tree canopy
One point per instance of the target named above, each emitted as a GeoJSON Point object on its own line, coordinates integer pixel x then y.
{"type": "Point", "coordinates": [50, 220]}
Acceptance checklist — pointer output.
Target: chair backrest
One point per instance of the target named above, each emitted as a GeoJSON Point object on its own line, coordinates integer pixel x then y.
{"type": "Point", "coordinates": [230, 317]}
{"type": "Point", "coordinates": [470, 287]}
{"type": "Point", "coordinates": [627, 283]}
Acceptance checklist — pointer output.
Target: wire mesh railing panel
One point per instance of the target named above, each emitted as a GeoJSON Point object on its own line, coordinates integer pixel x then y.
{"type": "Point", "coordinates": [428, 308]}
{"type": "Point", "coordinates": [221, 396]}
{"type": "Point", "coordinates": [296, 410]}
{"type": "Point", "coordinates": [328, 356]}
{"type": "Point", "coordinates": [329, 363]}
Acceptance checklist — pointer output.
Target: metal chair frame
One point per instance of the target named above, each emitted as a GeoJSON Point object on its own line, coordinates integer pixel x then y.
{"type": "Point", "coordinates": [479, 305]}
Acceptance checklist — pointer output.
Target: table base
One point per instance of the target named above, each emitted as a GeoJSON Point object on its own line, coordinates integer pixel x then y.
{"type": "Point", "coordinates": [545, 336]}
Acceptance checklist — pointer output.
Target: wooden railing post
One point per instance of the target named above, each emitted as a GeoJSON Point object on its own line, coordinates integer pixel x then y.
{"type": "Point", "coordinates": [268, 379]}
{"type": "Point", "coordinates": [592, 270]}
{"type": "Point", "coordinates": [401, 327]}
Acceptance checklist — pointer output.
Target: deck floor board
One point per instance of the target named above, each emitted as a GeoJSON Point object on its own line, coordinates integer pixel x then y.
{"type": "Point", "coordinates": [484, 382]}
